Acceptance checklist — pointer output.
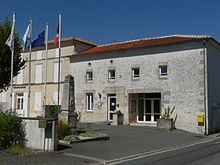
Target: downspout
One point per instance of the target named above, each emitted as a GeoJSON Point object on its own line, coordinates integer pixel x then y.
{"type": "Point", "coordinates": [205, 88]}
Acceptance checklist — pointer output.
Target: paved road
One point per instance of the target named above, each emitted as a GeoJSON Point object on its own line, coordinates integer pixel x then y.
{"type": "Point", "coordinates": [131, 140]}
{"type": "Point", "coordinates": [207, 153]}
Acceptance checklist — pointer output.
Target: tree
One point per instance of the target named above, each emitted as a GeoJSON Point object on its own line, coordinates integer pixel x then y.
{"type": "Point", "coordinates": [5, 55]}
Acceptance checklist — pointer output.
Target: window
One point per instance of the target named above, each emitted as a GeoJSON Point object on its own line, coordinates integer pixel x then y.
{"type": "Point", "coordinates": [20, 77]}
{"type": "Point", "coordinates": [2, 97]}
{"type": "Point", "coordinates": [57, 52]}
{"type": "Point", "coordinates": [38, 73]}
{"type": "Point", "coordinates": [55, 98]}
{"type": "Point", "coordinates": [163, 70]}
{"type": "Point", "coordinates": [111, 75]}
{"type": "Point", "coordinates": [89, 76]}
{"type": "Point", "coordinates": [89, 102]}
{"type": "Point", "coordinates": [56, 67]}
{"type": "Point", "coordinates": [19, 101]}
{"type": "Point", "coordinates": [135, 73]}
{"type": "Point", "coordinates": [37, 101]}
{"type": "Point", "coordinates": [39, 55]}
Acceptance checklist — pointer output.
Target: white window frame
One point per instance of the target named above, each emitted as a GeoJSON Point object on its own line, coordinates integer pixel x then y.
{"type": "Point", "coordinates": [89, 76]}
{"type": "Point", "coordinates": [89, 102]}
{"type": "Point", "coordinates": [19, 101]}
{"type": "Point", "coordinates": [135, 76]}
{"type": "Point", "coordinates": [165, 74]}
{"type": "Point", "coordinates": [38, 73]}
{"type": "Point", "coordinates": [110, 77]}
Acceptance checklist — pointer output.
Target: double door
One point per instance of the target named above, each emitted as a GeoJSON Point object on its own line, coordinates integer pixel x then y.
{"type": "Point", "coordinates": [148, 110]}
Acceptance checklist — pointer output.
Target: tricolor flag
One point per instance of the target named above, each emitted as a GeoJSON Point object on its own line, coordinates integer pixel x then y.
{"type": "Point", "coordinates": [10, 40]}
{"type": "Point", "coordinates": [27, 36]}
{"type": "Point", "coordinates": [57, 36]}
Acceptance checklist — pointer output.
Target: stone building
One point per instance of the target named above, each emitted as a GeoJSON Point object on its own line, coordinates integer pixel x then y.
{"type": "Point", "coordinates": [69, 46]}
{"type": "Point", "coordinates": [142, 77]}
{"type": "Point", "coordinates": [139, 78]}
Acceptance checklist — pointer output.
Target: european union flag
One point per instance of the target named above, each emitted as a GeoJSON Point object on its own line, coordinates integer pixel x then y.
{"type": "Point", "coordinates": [40, 41]}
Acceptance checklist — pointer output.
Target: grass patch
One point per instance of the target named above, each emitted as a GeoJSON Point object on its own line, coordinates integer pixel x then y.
{"type": "Point", "coordinates": [19, 149]}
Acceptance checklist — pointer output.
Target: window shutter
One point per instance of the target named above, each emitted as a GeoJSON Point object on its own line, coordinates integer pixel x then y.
{"type": "Point", "coordinates": [20, 77]}
{"type": "Point", "coordinates": [38, 73]}
{"type": "Point", "coordinates": [13, 101]}
{"type": "Point", "coordinates": [37, 106]}
{"type": "Point", "coordinates": [39, 55]}
{"type": "Point", "coordinates": [25, 104]}
{"type": "Point", "coordinates": [56, 72]}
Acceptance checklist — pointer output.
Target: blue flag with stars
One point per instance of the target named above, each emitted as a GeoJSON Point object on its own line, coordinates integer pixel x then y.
{"type": "Point", "coordinates": [40, 41]}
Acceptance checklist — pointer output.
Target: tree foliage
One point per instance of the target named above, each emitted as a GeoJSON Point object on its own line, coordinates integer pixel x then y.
{"type": "Point", "coordinates": [5, 55]}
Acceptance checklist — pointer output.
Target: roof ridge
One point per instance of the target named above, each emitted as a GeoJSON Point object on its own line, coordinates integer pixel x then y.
{"type": "Point", "coordinates": [166, 36]}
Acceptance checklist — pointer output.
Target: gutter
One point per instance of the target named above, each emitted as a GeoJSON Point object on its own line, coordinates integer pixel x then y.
{"type": "Point", "coordinates": [205, 87]}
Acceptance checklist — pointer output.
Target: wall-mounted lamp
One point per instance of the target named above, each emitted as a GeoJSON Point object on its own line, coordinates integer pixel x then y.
{"type": "Point", "coordinates": [100, 101]}
{"type": "Point", "coordinates": [100, 96]}
{"type": "Point", "coordinates": [111, 61]}
{"type": "Point", "coordinates": [89, 64]}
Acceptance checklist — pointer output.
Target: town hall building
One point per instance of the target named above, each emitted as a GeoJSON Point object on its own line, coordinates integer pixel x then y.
{"type": "Point", "coordinates": [139, 78]}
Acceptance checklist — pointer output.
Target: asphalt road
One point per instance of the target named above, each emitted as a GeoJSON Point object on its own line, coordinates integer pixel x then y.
{"type": "Point", "coordinates": [129, 145]}
{"type": "Point", "coordinates": [207, 153]}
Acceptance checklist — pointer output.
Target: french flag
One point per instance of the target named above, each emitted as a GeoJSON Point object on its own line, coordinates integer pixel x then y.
{"type": "Point", "coordinates": [57, 36]}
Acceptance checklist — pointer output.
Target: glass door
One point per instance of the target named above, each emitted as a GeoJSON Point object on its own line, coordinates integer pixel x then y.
{"type": "Point", "coordinates": [111, 106]}
{"type": "Point", "coordinates": [148, 110]}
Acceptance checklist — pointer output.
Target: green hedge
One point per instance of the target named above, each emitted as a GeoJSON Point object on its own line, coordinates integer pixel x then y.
{"type": "Point", "coordinates": [12, 130]}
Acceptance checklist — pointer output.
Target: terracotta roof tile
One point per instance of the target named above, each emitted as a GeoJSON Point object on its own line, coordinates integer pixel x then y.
{"type": "Point", "coordinates": [146, 42]}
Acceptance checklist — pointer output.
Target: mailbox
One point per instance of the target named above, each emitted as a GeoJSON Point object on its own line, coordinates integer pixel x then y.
{"type": "Point", "coordinates": [200, 118]}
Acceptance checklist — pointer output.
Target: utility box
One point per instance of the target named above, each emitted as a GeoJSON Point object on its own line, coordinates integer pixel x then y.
{"type": "Point", "coordinates": [42, 123]}
{"type": "Point", "coordinates": [200, 118]}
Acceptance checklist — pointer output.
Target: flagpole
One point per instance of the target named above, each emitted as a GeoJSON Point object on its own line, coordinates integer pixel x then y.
{"type": "Point", "coordinates": [45, 82]}
{"type": "Point", "coordinates": [58, 97]}
{"type": "Point", "coordinates": [29, 77]}
{"type": "Point", "coordinates": [12, 59]}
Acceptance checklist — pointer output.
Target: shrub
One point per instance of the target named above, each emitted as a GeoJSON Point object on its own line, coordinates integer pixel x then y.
{"type": "Point", "coordinates": [64, 129]}
{"type": "Point", "coordinates": [12, 130]}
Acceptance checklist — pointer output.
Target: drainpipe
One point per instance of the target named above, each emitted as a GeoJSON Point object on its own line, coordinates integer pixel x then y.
{"type": "Point", "coordinates": [205, 87]}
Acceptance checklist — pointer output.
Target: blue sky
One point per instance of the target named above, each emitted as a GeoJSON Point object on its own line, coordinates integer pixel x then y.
{"type": "Point", "coordinates": [107, 21]}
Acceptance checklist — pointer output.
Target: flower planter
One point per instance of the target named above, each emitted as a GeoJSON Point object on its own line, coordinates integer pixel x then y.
{"type": "Point", "coordinates": [165, 124]}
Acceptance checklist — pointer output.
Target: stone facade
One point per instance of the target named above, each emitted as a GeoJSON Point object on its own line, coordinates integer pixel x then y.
{"type": "Point", "coordinates": [183, 87]}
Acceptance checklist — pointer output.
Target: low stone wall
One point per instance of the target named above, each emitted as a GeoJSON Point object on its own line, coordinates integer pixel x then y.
{"type": "Point", "coordinates": [41, 133]}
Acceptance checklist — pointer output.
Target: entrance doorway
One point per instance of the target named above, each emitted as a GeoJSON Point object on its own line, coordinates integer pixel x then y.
{"type": "Point", "coordinates": [144, 107]}
{"type": "Point", "coordinates": [111, 106]}
{"type": "Point", "coordinates": [148, 110]}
